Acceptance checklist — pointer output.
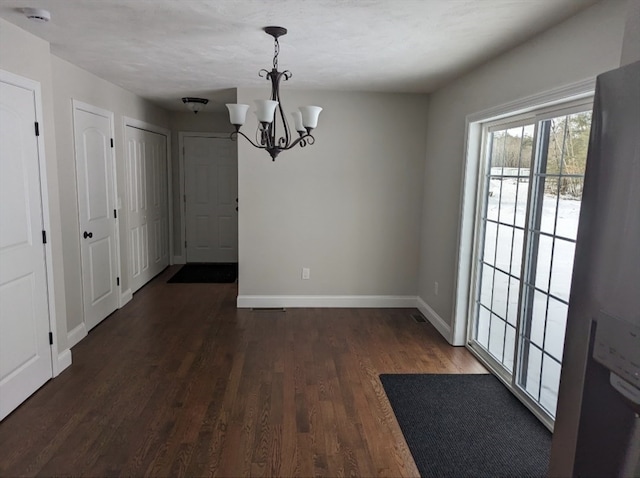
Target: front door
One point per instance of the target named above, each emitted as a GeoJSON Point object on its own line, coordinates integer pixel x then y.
{"type": "Point", "coordinates": [25, 352]}
{"type": "Point", "coordinates": [211, 190]}
{"type": "Point", "coordinates": [97, 211]}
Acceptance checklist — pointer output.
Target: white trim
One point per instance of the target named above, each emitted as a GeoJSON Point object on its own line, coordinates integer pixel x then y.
{"type": "Point", "coordinates": [332, 301]}
{"type": "Point", "coordinates": [183, 224]}
{"type": "Point", "coordinates": [63, 361]}
{"type": "Point", "coordinates": [22, 82]}
{"type": "Point", "coordinates": [437, 321]}
{"type": "Point", "coordinates": [76, 334]}
{"type": "Point", "coordinates": [125, 297]}
{"type": "Point", "coordinates": [563, 94]}
{"type": "Point", "coordinates": [468, 194]}
{"type": "Point", "coordinates": [178, 260]}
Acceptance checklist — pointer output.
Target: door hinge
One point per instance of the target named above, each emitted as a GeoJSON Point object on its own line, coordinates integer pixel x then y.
{"type": "Point", "coordinates": [50, 338]}
{"type": "Point", "coordinates": [112, 142]}
{"type": "Point", "coordinates": [117, 280]}
{"type": "Point", "coordinates": [184, 197]}
{"type": "Point", "coordinates": [115, 214]}
{"type": "Point", "coordinates": [44, 237]}
{"type": "Point", "coordinates": [185, 243]}
{"type": "Point", "coordinates": [37, 126]}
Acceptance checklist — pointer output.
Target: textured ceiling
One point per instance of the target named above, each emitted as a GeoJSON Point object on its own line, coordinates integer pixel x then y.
{"type": "Point", "coordinates": [165, 49]}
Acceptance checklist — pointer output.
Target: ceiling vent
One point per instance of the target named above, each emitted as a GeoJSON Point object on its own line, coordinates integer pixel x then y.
{"type": "Point", "coordinates": [39, 15]}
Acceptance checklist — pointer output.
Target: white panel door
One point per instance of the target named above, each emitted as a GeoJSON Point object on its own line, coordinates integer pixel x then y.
{"type": "Point", "coordinates": [25, 353]}
{"type": "Point", "coordinates": [211, 190]}
{"type": "Point", "coordinates": [148, 204]}
{"type": "Point", "coordinates": [96, 210]}
{"type": "Point", "coordinates": [157, 200]}
{"type": "Point", "coordinates": [137, 208]}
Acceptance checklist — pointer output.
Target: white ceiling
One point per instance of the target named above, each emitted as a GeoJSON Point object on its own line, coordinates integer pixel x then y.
{"type": "Point", "coordinates": [165, 49]}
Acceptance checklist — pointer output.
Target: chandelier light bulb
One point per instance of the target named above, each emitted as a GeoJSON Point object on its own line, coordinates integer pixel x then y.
{"type": "Point", "coordinates": [297, 121]}
{"type": "Point", "coordinates": [265, 110]}
{"type": "Point", "coordinates": [310, 116]}
{"type": "Point", "coordinates": [237, 113]}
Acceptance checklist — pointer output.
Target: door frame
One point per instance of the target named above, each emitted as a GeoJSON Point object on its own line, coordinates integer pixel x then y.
{"type": "Point", "coordinates": [469, 228]}
{"type": "Point", "coordinates": [127, 295]}
{"type": "Point", "coordinates": [182, 258]}
{"type": "Point", "coordinates": [59, 361]}
{"type": "Point", "coordinates": [80, 105]}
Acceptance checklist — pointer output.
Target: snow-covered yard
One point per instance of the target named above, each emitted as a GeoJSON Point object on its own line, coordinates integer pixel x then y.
{"type": "Point", "coordinates": [554, 265]}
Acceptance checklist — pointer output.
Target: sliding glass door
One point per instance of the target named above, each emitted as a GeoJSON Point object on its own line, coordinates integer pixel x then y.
{"type": "Point", "coordinates": [527, 218]}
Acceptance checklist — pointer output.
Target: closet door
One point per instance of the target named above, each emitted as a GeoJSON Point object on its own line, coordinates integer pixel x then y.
{"type": "Point", "coordinates": [25, 352]}
{"type": "Point", "coordinates": [148, 204]}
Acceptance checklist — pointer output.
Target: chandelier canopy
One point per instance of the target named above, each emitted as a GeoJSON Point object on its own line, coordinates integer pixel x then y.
{"type": "Point", "coordinates": [267, 111]}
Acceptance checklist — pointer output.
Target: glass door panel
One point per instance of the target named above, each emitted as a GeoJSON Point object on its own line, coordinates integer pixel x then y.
{"type": "Point", "coordinates": [558, 176]}
{"type": "Point", "coordinates": [526, 234]}
{"type": "Point", "coordinates": [502, 228]}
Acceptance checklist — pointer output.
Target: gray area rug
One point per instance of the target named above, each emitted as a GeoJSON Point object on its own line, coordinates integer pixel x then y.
{"type": "Point", "coordinates": [467, 426]}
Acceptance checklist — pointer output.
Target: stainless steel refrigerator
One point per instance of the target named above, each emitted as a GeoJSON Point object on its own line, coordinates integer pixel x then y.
{"type": "Point", "coordinates": [597, 430]}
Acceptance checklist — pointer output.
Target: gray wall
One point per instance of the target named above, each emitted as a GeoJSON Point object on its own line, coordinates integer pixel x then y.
{"type": "Point", "coordinates": [71, 82]}
{"type": "Point", "coordinates": [580, 48]}
{"type": "Point", "coordinates": [347, 207]}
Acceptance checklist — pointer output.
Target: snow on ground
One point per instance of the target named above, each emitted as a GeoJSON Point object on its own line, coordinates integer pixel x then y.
{"type": "Point", "coordinates": [507, 204]}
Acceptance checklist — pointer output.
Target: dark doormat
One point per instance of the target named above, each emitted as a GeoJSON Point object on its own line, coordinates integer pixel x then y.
{"type": "Point", "coordinates": [467, 426]}
{"type": "Point", "coordinates": [218, 273]}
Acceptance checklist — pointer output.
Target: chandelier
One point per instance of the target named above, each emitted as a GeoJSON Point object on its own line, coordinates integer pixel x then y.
{"type": "Point", "coordinates": [267, 111]}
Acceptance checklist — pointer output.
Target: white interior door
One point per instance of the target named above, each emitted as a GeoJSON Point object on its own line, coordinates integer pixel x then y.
{"type": "Point", "coordinates": [211, 190]}
{"type": "Point", "coordinates": [148, 204]}
{"type": "Point", "coordinates": [25, 351]}
{"type": "Point", "coordinates": [158, 207]}
{"type": "Point", "coordinates": [97, 211]}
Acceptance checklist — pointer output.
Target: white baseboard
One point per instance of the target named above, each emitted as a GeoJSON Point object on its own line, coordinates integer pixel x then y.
{"type": "Point", "coordinates": [64, 361]}
{"type": "Point", "coordinates": [437, 321]}
{"type": "Point", "coordinates": [178, 260]}
{"type": "Point", "coordinates": [76, 334]}
{"type": "Point", "coordinates": [125, 297]}
{"type": "Point", "coordinates": [333, 301]}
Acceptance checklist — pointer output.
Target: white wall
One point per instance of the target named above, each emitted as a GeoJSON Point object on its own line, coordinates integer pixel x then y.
{"type": "Point", "coordinates": [580, 48]}
{"type": "Point", "coordinates": [71, 82]}
{"type": "Point", "coordinates": [347, 207]}
{"type": "Point", "coordinates": [26, 55]}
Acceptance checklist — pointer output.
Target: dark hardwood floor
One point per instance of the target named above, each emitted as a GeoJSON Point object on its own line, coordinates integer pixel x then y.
{"type": "Point", "coordinates": [181, 383]}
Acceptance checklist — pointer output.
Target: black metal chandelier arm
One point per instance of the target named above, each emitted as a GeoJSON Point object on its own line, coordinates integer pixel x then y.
{"type": "Point", "coordinates": [284, 140]}
{"type": "Point", "coordinates": [235, 134]}
{"type": "Point", "coordinates": [303, 140]}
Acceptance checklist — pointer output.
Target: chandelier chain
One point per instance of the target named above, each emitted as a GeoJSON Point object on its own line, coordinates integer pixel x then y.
{"type": "Point", "coordinates": [276, 52]}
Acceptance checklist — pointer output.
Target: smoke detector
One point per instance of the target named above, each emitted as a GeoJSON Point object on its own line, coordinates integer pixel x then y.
{"type": "Point", "coordinates": [39, 15]}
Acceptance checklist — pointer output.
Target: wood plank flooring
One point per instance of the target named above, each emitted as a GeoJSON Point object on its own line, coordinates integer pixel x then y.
{"type": "Point", "coordinates": [181, 383]}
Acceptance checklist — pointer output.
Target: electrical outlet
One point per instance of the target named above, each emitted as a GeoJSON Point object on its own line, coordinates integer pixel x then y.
{"type": "Point", "coordinates": [435, 288]}
{"type": "Point", "coordinates": [306, 273]}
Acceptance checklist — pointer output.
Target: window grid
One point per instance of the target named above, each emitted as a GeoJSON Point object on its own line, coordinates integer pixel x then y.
{"type": "Point", "coordinates": [540, 178]}
{"type": "Point", "coordinates": [496, 145]}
